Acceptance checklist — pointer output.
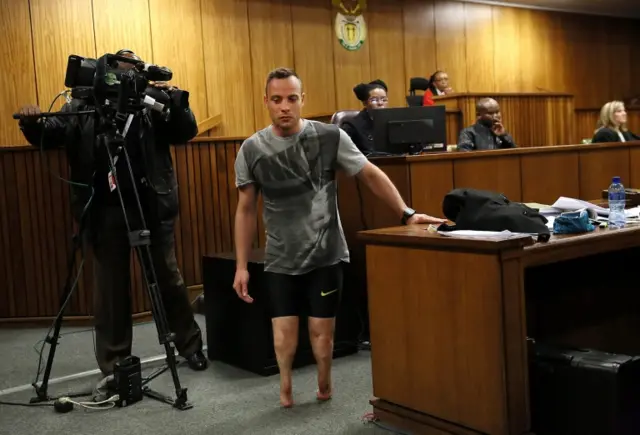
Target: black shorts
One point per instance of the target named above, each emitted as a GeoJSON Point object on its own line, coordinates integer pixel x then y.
{"type": "Point", "coordinates": [314, 294]}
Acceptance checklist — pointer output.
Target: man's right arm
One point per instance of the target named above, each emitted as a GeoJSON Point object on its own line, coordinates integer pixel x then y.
{"type": "Point", "coordinates": [245, 224]}
{"type": "Point", "coordinates": [465, 141]}
{"type": "Point", "coordinates": [50, 132]}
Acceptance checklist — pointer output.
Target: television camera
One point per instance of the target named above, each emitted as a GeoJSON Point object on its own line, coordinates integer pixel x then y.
{"type": "Point", "coordinates": [124, 90]}
{"type": "Point", "coordinates": [116, 94]}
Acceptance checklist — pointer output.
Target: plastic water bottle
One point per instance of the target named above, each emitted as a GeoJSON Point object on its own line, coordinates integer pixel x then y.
{"type": "Point", "coordinates": [617, 218]}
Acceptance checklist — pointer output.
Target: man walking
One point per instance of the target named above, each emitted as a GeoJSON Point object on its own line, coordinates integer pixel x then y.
{"type": "Point", "coordinates": [293, 163]}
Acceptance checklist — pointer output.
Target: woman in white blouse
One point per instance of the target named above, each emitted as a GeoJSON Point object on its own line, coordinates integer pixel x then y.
{"type": "Point", "coordinates": [612, 126]}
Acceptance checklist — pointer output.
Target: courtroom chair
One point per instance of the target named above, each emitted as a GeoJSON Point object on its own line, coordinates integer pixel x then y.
{"type": "Point", "coordinates": [416, 84]}
{"type": "Point", "coordinates": [342, 116]}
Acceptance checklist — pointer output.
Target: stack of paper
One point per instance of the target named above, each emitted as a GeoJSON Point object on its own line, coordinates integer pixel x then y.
{"type": "Point", "coordinates": [563, 204]}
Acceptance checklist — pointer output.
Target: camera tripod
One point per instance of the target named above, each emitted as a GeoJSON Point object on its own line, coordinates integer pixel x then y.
{"type": "Point", "coordinates": [140, 239]}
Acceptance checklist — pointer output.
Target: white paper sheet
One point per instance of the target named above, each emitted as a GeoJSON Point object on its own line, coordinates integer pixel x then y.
{"type": "Point", "coordinates": [563, 204]}
{"type": "Point", "coordinates": [471, 234]}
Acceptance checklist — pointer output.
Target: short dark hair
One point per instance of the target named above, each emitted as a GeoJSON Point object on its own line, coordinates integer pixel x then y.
{"type": "Point", "coordinates": [481, 104]}
{"type": "Point", "coordinates": [280, 73]}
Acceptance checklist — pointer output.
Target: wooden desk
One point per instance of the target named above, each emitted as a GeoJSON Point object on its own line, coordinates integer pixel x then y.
{"type": "Point", "coordinates": [450, 318]}
{"type": "Point", "coordinates": [533, 119]}
{"type": "Point", "coordinates": [540, 174]}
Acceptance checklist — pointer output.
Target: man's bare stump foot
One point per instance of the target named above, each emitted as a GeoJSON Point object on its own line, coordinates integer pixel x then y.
{"type": "Point", "coordinates": [324, 394]}
{"type": "Point", "coordinates": [286, 397]}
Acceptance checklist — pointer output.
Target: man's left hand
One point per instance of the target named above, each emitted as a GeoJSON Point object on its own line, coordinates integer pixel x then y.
{"type": "Point", "coordinates": [162, 85]}
{"type": "Point", "coordinates": [424, 219]}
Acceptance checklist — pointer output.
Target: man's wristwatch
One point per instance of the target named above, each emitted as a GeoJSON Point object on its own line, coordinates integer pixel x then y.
{"type": "Point", "coordinates": [408, 212]}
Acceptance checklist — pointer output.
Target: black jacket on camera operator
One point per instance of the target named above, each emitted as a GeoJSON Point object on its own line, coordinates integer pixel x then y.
{"type": "Point", "coordinates": [148, 142]}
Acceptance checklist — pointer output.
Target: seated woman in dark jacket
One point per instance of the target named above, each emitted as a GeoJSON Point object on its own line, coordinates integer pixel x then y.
{"type": "Point", "coordinates": [612, 126]}
{"type": "Point", "coordinates": [360, 128]}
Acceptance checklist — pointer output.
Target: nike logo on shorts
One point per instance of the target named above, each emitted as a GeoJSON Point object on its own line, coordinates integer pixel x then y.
{"type": "Point", "coordinates": [328, 293]}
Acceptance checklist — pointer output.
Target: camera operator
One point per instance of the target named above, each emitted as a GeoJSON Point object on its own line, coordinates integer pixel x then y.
{"type": "Point", "coordinates": [148, 143]}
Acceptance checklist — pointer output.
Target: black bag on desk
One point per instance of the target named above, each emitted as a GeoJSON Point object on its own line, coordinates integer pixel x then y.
{"type": "Point", "coordinates": [583, 392]}
{"type": "Point", "coordinates": [482, 210]}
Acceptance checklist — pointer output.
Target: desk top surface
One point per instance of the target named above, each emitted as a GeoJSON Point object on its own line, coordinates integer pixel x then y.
{"type": "Point", "coordinates": [557, 248]}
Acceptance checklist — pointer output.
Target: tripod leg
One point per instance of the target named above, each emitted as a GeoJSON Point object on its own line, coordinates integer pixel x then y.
{"type": "Point", "coordinates": [141, 240]}
{"type": "Point", "coordinates": [42, 394]}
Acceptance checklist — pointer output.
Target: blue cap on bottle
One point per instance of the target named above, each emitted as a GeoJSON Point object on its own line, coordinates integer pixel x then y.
{"type": "Point", "coordinates": [616, 180]}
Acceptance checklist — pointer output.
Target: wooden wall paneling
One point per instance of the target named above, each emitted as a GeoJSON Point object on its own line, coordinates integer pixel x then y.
{"type": "Point", "coordinates": [206, 200]}
{"type": "Point", "coordinates": [351, 68]}
{"type": "Point", "coordinates": [7, 268]}
{"type": "Point", "coordinates": [450, 46]}
{"type": "Point", "coordinates": [480, 48]}
{"type": "Point", "coordinates": [18, 285]}
{"type": "Point", "coordinates": [546, 177]}
{"type": "Point", "coordinates": [17, 81]}
{"type": "Point", "coordinates": [634, 166]}
{"type": "Point", "coordinates": [534, 48]}
{"type": "Point", "coordinates": [507, 57]}
{"type": "Point", "coordinates": [313, 36]}
{"type": "Point", "coordinates": [223, 169]}
{"type": "Point", "coordinates": [115, 30]}
{"type": "Point", "coordinates": [598, 167]}
{"type": "Point", "coordinates": [585, 123]}
{"type": "Point", "coordinates": [60, 28]}
{"type": "Point", "coordinates": [418, 17]}
{"type": "Point", "coordinates": [61, 229]}
{"type": "Point", "coordinates": [587, 80]}
{"type": "Point", "coordinates": [231, 151]}
{"type": "Point", "coordinates": [454, 125]}
{"type": "Point", "coordinates": [40, 237]}
{"type": "Point", "coordinates": [635, 58]}
{"type": "Point", "coordinates": [618, 49]}
{"type": "Point", "coordinates": [176, 35]}
{"type": "Point", "coordinates": [430, 182]}
{"type": "Point", "coordinates": [387, 61]}
{"type": "Point", "coordinates": [271, 47]}
{"type": "Point", "coordinates": [227, 59]}
{"type": "Point", "coordinates": [633, 121]}
{"type": "Point", "coordinates": [214, 222]}
{"type": "Point", "coordinates": [499, 174]}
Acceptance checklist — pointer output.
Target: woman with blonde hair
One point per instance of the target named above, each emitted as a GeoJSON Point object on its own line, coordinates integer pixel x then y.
{"type": "Point", "coordinates": [612, 125]}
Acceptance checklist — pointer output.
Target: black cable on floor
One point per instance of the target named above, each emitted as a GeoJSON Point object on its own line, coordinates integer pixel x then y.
{"type": "Point", "coordinates": [25, 404]}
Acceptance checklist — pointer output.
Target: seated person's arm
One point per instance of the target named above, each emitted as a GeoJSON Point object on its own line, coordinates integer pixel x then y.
{"type": "Point", "coordinates": [507, 141]}
{"type": "Point", "coordinates": [50, 132]}
{"type": "Point", "coordinates": [352, 132]}
{"type": "Point", "coordinates": [466, 141]}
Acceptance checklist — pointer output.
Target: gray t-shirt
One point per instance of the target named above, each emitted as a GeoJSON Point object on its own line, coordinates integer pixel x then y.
{"type": "Point", "coordinates": [297, 178]}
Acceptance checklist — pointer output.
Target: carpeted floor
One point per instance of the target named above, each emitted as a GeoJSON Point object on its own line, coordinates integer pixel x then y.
{"type": "Point", "coordinates": [226, 400]}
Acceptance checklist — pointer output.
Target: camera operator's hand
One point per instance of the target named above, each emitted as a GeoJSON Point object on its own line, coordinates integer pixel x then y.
{"type": "Point", "coordinates": [29, 113]}
{"type": "Point", "coordinates": [163, 85]}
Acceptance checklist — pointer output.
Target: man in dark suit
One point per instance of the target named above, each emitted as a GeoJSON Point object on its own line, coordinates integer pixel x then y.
{"type": "Point", "coordinates": [487, 133]}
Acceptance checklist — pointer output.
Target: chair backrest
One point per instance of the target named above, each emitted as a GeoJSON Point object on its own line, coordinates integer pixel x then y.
{"type": "Point", "coordinates": [341, 116]}
{"type": "Point", "coordinates": [414, 100]}
{"type": "Point", "coordinates": [418, 84]}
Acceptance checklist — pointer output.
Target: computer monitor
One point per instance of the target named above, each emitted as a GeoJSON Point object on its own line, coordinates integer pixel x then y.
{"type": "Point", "coordinates": [410, 130]}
